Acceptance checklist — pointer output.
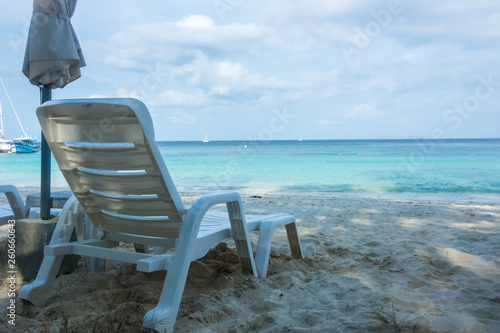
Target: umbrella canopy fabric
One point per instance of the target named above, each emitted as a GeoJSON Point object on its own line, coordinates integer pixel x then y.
{"type": "Point", "coordinates": [53, 55]}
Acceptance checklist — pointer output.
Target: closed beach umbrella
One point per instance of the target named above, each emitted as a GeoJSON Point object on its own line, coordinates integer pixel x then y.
{"type": "Point", "coordinates": [53, 55]}
{"type": "Point", "coordinates": [53, 59]}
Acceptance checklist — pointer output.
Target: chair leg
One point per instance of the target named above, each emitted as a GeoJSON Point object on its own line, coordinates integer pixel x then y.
{"type": "Point", "coordinates": [92, 264]}
{"type": "Point", "coordinates": [162, 317]}
{"type": "Point", "coordinates": [265, 240]}
{"type": "Point", "coordinates": [39, 291]}
{"type": "Point", "coordinates": [264, 248]}
{"type": "Point", "coordinates": [239, 233]}
{"type": "Point", "coordinates": [294, 240]}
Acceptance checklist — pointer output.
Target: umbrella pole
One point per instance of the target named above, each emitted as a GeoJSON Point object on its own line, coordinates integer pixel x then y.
{"type": "Point", "coordinates": [45, 95]}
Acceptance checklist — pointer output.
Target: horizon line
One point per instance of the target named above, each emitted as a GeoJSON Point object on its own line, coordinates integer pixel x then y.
{"type": "Point", "coordinates": [383, 139]}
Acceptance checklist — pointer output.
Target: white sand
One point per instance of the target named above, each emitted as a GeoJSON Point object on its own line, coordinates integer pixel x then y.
{"type": "Point", "coordinates": [435, 262]}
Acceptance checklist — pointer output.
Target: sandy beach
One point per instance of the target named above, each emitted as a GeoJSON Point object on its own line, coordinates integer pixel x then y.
{"type": "Point", "coordinates": [375, 263]}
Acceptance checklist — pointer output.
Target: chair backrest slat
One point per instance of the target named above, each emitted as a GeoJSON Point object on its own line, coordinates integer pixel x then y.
{"type": "Point", "coordinates": [106, 158]}
{"type": "Point", "coordinates": [143, 205]}
{"type": "Point", "coordinates": [109, 157]}
{"type": "Point", "coordinates": [120, 184]}
{"type": "Point", "coordinates": [153, 228]}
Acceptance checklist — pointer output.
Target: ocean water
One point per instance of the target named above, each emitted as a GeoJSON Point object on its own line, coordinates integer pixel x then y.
{"type": "Point", "coordinates": [350, 166]}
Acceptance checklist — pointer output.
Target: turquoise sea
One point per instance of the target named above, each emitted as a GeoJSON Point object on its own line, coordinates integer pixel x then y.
{"type": "Point", "coordinates": [353, 166]}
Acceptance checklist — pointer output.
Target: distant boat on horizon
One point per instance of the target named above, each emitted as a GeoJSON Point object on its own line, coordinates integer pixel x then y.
{"type": "Point", "coordinates": [25, 144]}
{"type": "Point", "coordinates": [5, 144]}
{"type": "Point", "coordinates": [205, 140]}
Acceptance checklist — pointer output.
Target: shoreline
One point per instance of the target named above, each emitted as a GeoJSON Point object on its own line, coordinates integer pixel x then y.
{"type": "Point", "coordinates": [435, 263]}
{"type": "Point", "coordinates": [462, 197]}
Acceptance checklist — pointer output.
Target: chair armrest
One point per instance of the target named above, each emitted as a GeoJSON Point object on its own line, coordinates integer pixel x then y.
{"type": "Point", "coordinates": [239, 229]}
{"type": "Point", "coordinates": [203, 204]}
{"type": "Point", "coordinates": [15, 201]}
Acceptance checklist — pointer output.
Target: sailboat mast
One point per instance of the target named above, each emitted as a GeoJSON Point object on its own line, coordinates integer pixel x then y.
{"type": "Point", "coordinates": [1, 121]}
{"type": "Point", "coordinates": [13, 108]}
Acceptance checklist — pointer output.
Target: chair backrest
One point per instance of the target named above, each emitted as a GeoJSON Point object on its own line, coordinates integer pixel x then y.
{"type": "Point", "coordinates": [107, 152]}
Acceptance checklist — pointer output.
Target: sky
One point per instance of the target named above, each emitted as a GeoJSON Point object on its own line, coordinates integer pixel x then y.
{"type": "Point", "coordinates": [279, 69]}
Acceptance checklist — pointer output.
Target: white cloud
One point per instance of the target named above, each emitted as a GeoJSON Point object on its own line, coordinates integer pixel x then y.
{"type": "Point", "coordinates": [167, 98]}
{"type": "Point", "coordinates": [292, 10]}
{"type": "Point", "coordinates": [223, 77]}
{"type": "Point", "coordinates": [179, 117]}
{"type": "Point", "coordinates": [449, 20]}
{"type": "Point", "coordinates": [363, 112]}
{"type": "Point", "coordinates": [412, 57]}
{"type": "Point", "coordinates": [173, 42]}
{"type": "Point", "coordinates": [332, 32]}
{"type": "Point", "coordinates": [453, 6]}
{"type": "Point", "coordinates": [125, 93]}
{"type": "Point", "coordinates": [196, 22]}
{"type": "Point", "coordinates": [331, 122]}
{"type": "Point", "coordinates": [176, 98]}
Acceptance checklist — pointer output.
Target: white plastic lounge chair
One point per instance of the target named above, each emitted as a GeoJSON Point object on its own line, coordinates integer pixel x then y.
{"type": "Point", "coordinates": [108, 154]}
{"type": "Point", "coordinates": [15, 209]}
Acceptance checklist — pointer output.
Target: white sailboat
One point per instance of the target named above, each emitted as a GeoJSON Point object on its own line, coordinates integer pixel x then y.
{"type": "Point", "coordinates": [205, 140]}
{"type": "Point", "coordinates": [23, 144]}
